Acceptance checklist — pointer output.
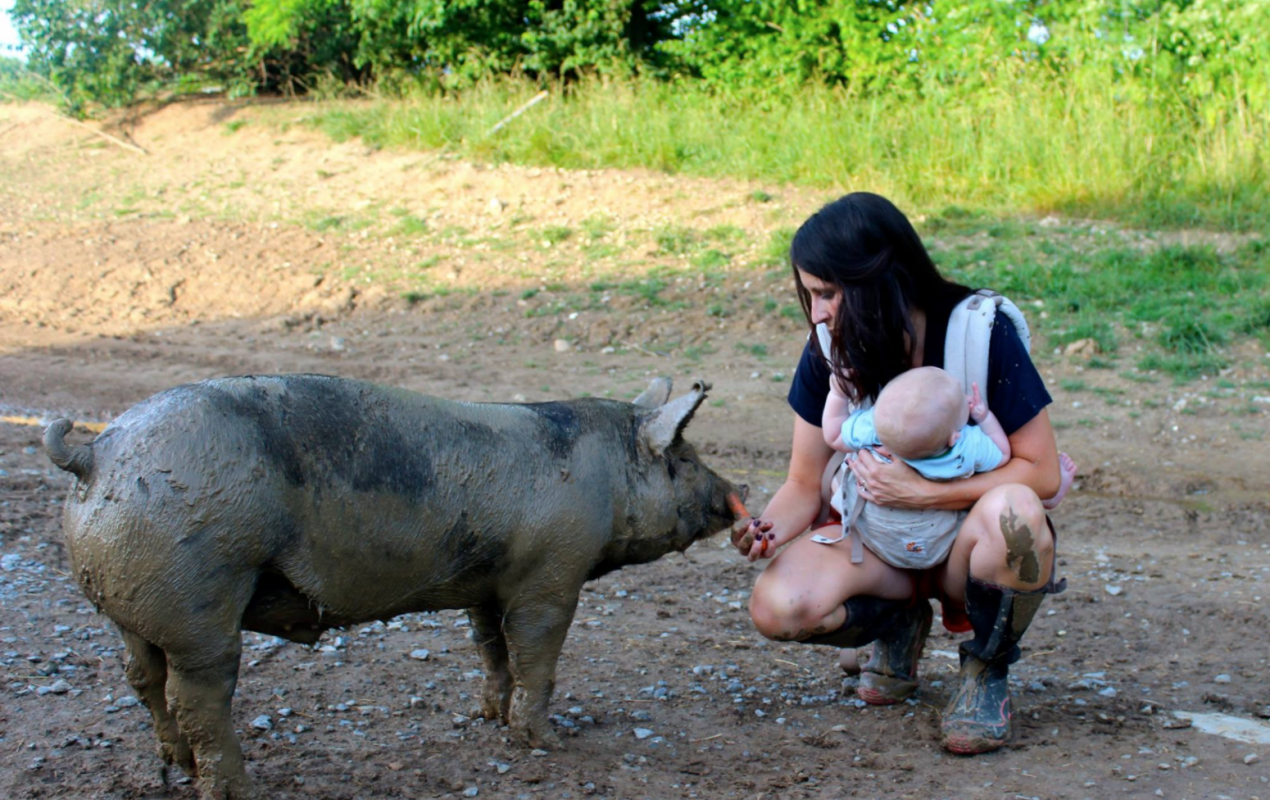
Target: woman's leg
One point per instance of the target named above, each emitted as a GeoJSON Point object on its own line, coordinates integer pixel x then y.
{"type": "Point", "coordinates": [802, 593]}
{"type": "Point", "coordinates": [1000, 567]}
{"type": "Point", "coordinates": [813, 593]}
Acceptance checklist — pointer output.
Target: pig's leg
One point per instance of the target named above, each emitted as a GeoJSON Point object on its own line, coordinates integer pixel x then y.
{"type": "Point", "coordinates": [147, 673]}
{"type": "Point", "coordinates": [487, 630]}
{"type": "Point", "coordinates": [200, 687]}
{"type": "Point", "coordinates": [535, 633]}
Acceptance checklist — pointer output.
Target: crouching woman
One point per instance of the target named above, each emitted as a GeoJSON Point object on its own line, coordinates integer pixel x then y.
{"type": "Point", "coordinates": [861, 269]}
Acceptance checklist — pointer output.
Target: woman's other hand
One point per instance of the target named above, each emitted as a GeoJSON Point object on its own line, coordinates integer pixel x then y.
{"type": "Point", "coordinates": [753, 538]}
{"type": "Point", "coordinates": [892, 483]}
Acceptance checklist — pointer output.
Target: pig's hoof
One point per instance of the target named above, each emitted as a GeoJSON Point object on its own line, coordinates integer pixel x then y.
{"type": "Point", "coordinates": [179, 755]}
{"type": "Point", "coordinates": [543, 738]}
{"type": "Point", "coordinates": [232, 789]}
{"type": "Point", "coordinates": [494, 710]}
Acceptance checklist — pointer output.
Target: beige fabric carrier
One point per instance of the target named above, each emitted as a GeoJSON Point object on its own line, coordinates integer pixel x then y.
{"type": "Point", "coordinates": [910, 538]}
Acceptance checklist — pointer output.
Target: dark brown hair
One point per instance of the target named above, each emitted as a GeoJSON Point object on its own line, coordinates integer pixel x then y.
{"type": "Point", "coordinates": [865, 246]}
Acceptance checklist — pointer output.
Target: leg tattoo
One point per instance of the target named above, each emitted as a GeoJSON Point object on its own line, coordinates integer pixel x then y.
{"type": "Point", "coordinates": [1020, 546]}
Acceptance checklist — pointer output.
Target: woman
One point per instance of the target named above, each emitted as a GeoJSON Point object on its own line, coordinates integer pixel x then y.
{"type": "Point", "coordinates": [860, 268]}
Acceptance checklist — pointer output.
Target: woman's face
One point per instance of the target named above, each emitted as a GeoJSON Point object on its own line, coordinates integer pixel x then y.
{"type": "Point", "coordinates": [825, 298]}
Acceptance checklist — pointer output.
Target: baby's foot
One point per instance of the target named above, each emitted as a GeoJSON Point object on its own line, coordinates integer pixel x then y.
{"type": "Point", "coordinates": [1067, 471]}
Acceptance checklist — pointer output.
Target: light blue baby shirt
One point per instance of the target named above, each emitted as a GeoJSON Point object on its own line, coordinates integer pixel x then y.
{"type": "Point", "coordinates": [973, 452]}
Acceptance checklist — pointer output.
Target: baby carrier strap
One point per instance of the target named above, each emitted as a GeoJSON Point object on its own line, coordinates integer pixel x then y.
{"type": "Point", "coordinates": [970, 334]}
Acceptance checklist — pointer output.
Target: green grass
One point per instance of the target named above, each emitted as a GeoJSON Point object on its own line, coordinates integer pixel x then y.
{"type": "Point", "coordinates": [1189, 302]}
{"type": "Point", "coordinates": [1084, 147]}
{"type": "Point", "coordinates": [410, 226]}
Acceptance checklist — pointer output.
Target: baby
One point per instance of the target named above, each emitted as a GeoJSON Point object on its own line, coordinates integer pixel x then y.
{"type": "Point", "coordinates": [920, 417]}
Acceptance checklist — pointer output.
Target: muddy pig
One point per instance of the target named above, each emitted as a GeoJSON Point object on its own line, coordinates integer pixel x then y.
{"type": "Point", "coordinates": [292, 504]}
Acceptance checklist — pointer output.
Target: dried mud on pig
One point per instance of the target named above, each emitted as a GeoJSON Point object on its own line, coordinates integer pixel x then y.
{"type": "Point", "coordinates": [289, 505]}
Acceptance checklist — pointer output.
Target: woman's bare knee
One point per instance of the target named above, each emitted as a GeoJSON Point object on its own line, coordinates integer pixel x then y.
{"type": "Point", "coordinates": [783, 618]}
{"type": "Point", "coordinates": [1015, 548]}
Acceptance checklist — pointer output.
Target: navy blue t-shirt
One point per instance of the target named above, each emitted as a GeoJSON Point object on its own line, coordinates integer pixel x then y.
{"type": "Point", "coordinates": [1016, 393]}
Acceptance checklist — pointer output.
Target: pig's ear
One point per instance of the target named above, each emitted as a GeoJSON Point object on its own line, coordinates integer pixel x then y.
{"type": "Point", "coordinates": [663, 427]}
{"type": "Point", "coordinates": [656, 395]}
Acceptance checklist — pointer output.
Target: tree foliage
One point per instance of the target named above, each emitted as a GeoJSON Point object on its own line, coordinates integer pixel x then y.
{"type": "Point", "coordinates": [105, 50]}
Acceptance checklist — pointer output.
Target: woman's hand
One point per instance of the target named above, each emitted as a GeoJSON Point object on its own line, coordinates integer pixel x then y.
{"type": "Point", "coordinates": [894, 484]}
{"type": "Point", "coordinates": [753, 538]}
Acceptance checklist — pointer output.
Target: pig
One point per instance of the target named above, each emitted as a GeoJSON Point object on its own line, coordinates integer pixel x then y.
{"type": "Point", "coordinates": [293, 504]}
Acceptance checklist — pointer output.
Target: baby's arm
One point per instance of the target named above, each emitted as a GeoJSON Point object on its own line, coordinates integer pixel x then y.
{"type": "Point", "coordinates": [988, 422]}
{"type": "Point", "coordinates": [837, 409]}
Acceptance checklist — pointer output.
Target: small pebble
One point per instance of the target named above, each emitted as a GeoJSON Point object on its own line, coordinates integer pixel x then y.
{"type": "Point", "coordinates": [1251, 758]}
{"type": "Point", "coordinates": [642, 733]}
{"type": "Point", "coordinates": [1223, 678]}
{"type": "Point", "coordinates": [262, 723]}
{"type": "Point", "coordinates": [471, 791]}
{"type": "Point", "coordinates": [420, 655]}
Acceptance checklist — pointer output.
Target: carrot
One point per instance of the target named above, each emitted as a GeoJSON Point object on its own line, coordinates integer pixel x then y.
{"type": "Point", "coordinates": [737, 507]}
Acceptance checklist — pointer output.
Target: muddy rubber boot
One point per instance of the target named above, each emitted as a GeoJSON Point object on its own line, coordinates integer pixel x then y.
{"type": "Point", "coordinates": [977, 718]}
{"type": "Point", "coordinates": [867, 617]}
{"type": "Point", "coordinates": [890, 674]}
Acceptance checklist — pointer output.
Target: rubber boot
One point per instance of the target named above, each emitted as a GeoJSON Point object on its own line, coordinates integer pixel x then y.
{"type": "Point", "coordinates": [890, 674]}
{"type": "Point", "coordinates": [867, 617]}
{"type": "Point", "coordinates": [977, 718]}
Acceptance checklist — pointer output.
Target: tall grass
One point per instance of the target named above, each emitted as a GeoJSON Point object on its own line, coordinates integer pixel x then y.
{"type": "Point", "coordinates": [1083, 146]}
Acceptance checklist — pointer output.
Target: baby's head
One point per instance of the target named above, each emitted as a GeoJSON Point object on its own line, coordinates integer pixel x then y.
{"type": "Point", "coordinates": [920, 413]}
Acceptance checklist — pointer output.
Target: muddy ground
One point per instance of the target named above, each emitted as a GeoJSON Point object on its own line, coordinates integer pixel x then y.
{"type": "Point", "coordinates": [241, 244]}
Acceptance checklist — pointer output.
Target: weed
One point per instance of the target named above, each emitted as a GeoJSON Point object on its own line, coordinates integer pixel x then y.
{"type": "Point", "coordinates": [1100, 330]}
{"type": "Point", "coordinates": [597, 226]}
{"type": "Point", "coordinates": [555, 234]}
{"type": "Point", "coordinates": [1138, 377]}
{"type": "Point", "coordinates": [1072, 385]}
{"type": "Point", "coordinates": [695, 352]}
{"type": "Point", "coordinates": [725, 234]}
{"type": "Point", "coordinates": [777, 251]}
{"type": "Point", "coordinates": [712, 259]}
{"type": "Point", "coordinates": [1184, 366]}
{"type": "Point", "coordinates": [756, 350]}
{"type": "Point", "coordinates": [760, 196]}
{"type": "Point", "coordinates": [674, 239]}
{"type": "Point", "coordinates": [410, 226]}
{"type": "Point", "coordinates": [1188, 334]}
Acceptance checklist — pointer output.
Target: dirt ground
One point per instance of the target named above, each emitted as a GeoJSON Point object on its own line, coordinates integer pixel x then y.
{"type": "Point", "coordinates": [244, 244]}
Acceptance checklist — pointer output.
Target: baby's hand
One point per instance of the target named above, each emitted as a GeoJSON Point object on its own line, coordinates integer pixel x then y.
{"type": "Point", "coordinates": [978, 408]}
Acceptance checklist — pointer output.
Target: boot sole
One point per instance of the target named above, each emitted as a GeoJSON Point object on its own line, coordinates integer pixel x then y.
{"type": "Point", "coordinates": [967, 745]}
{"type": "Point", "coordinates": [886, 695]}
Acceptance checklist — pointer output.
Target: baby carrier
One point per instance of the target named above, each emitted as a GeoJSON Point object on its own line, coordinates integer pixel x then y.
{"type": "Point", "coordinates": [921, 538]}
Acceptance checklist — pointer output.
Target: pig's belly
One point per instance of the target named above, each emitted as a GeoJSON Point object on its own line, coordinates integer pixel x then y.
{"type": "Point", "coordinates": [374, 559]}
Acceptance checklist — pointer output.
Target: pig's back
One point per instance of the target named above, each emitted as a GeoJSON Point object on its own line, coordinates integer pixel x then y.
{"type": "Point", "coordinates": [311, 475]}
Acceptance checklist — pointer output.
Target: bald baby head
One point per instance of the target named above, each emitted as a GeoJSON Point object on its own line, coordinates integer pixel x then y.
{"type": "Point", "coordinates": [919, 413]}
